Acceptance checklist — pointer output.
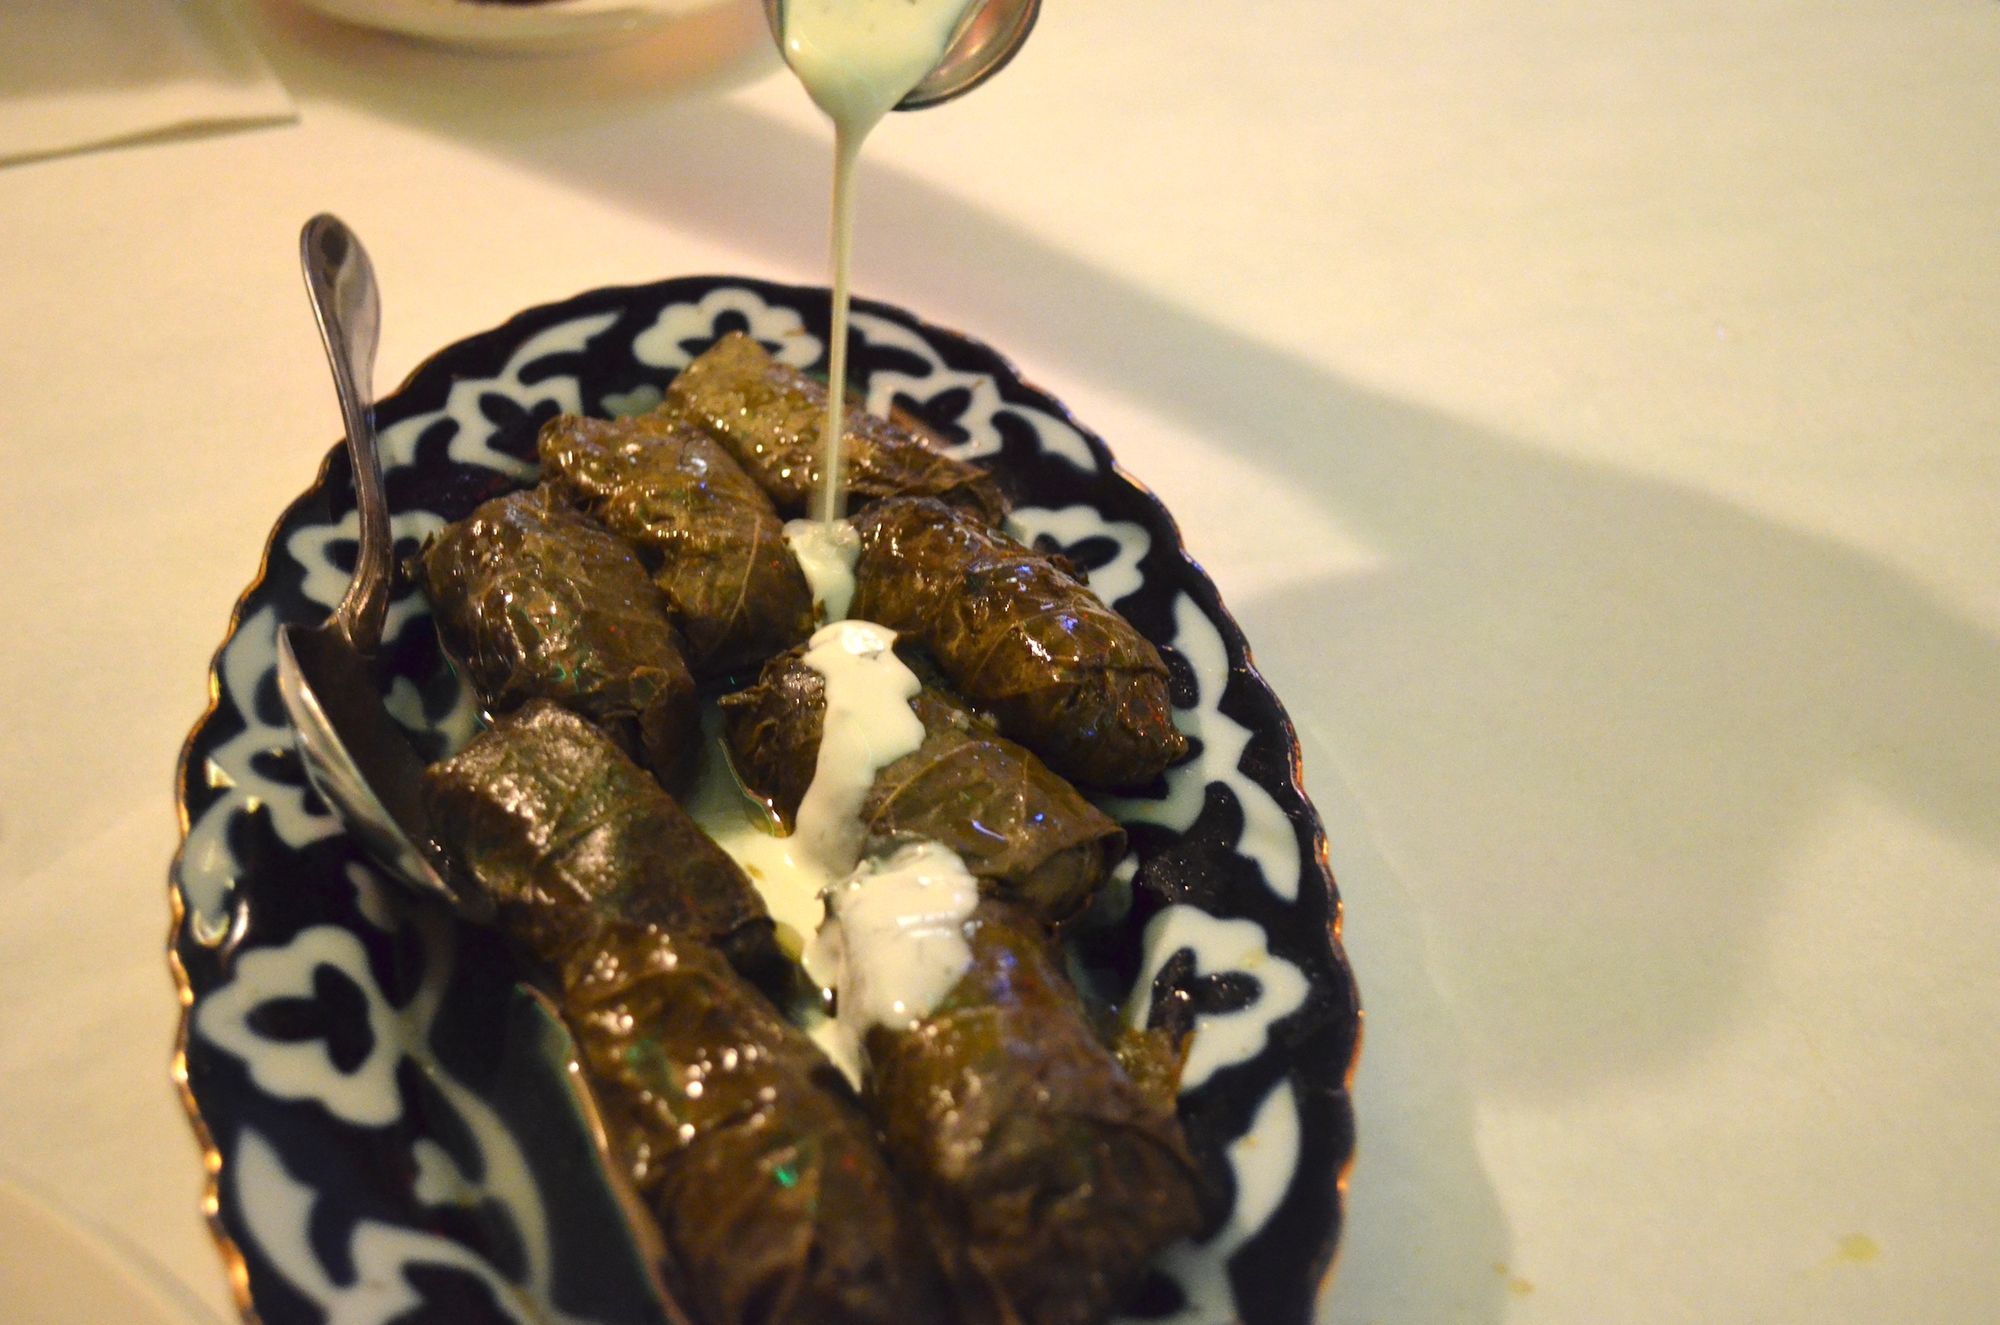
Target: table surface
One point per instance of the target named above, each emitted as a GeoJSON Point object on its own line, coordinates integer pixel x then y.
{"type": "Point", "coordinates": [1589, 410]}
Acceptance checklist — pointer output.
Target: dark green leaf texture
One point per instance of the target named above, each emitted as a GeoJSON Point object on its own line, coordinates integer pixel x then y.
{"type": "Point", "coordinates": [710, 536]}
{"type": "Point", "coordinates": [770, 416]}
{"type": "Point", "coordinates": [1017, 635]}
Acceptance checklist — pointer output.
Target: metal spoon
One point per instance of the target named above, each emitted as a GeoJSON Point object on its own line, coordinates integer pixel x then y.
{"type": "Point", "coordinates": [356, 756]}
{"type": "Point", "coordinates": [986, 39]}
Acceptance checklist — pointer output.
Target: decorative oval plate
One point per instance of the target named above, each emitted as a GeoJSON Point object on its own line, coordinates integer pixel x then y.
{"type": "Point", "coordinates": [387, 1123]}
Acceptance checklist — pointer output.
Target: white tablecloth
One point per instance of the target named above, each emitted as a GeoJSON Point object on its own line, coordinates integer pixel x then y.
{"type": "Point", "coordinates": [1590, 409]}
{"type": "Point", "coordinates": [82, 74]}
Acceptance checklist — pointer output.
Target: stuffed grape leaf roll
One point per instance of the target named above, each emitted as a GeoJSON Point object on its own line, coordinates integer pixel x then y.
{"type": "Point", "coordinates": [560, 830]}
{"type": "Point", "coordinates": [710, 536]}
{"type": "Point", "coordinates": [770, 416]}
{"type": "Point", "coordinates": [1018, 635]}
{"type": "Point", "coordinates": [1052, 1176]}
{"type": "Point", "coordinates": [1012, 821]}
{"type": "Point", "coordinates": [536, 601]}
{"type": "Point", "coordinates": [742, 1140]}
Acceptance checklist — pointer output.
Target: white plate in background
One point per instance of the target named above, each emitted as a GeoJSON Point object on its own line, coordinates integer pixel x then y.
{"type": "Point", "coordinates": [550, 27]}
{"type": "Point", "coordinates": [56, 1271]}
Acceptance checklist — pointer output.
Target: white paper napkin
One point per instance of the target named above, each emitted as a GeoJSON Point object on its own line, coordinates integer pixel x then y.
{"type": "Point", "coordinates": [78, 74]}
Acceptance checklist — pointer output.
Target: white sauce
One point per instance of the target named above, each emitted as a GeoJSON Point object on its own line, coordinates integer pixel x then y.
{"type": "Point", "coordinates": [857, 59]}
{"type": "Point", "coordinates": [887, 934]}
{"type": "Point", "coordinates": [826, 551]}
{"type": "Point", "coordinates": [894, 942]}
{"type": "Point", "coordinates": [790, 886]}
{"type": "Point", "coordinates": [868, 726]}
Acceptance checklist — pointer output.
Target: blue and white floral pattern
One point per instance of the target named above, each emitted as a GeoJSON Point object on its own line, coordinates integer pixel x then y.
{"type": "Point", "coordinates": [393, 1134]}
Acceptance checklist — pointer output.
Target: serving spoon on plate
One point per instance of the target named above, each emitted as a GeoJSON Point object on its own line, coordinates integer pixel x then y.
{"type": "Point", "coordinates": [355, 754]}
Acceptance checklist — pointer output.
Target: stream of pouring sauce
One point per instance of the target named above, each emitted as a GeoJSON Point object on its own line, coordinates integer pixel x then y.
{"type": "Point", "coordinates": [868, 724]}
{"type": "Point", "coordinates": [857, 59]}
{"type": "Point", "coordinates": [885, 933]}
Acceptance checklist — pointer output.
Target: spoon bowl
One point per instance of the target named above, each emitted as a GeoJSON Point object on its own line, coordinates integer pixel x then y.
{"type": "Point", "coordinates": [987, 38]}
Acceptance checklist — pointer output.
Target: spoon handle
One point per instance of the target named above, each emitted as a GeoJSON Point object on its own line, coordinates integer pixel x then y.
{"type": "Point", "coordinates": [341, 283]}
